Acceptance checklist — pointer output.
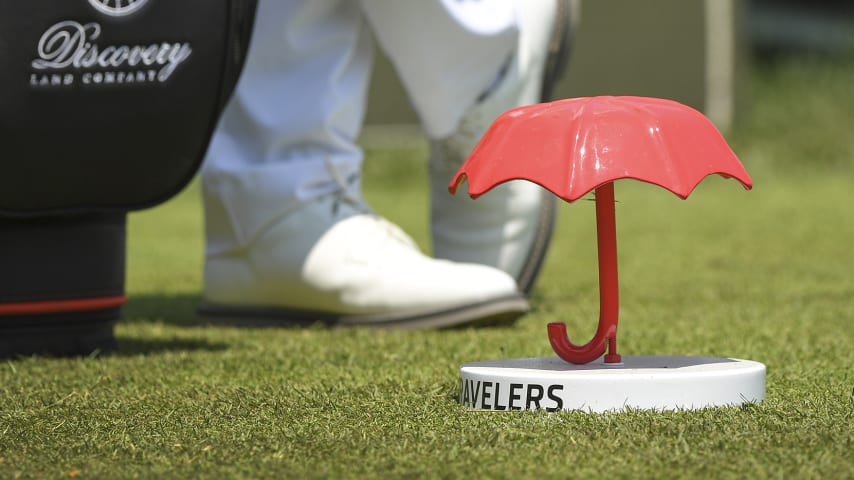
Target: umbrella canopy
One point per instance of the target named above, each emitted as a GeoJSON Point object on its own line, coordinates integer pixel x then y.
{"type": "Point", "coordinates": [572, 146]}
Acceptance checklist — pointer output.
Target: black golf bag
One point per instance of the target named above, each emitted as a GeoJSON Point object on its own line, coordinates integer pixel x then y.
{"type": "Point", "coordinates": [106, 106]}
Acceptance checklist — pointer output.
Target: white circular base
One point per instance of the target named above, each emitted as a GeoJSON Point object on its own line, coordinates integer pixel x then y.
{"type": "Point", "coordinates": [640, 382]}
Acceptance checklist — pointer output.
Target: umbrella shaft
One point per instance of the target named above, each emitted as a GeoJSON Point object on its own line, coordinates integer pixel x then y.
{"type": "Point", "coordinates": [606, 333]}
{"type": "Point", "coordinates": [606, 237]}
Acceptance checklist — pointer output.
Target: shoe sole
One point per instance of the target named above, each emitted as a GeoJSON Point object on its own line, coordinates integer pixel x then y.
{"type": "Point", "coordinates": [500, 311]}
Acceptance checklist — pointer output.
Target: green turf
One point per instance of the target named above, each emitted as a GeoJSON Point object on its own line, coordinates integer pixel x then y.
{"type": "Point", "coordinates": [765, 275]}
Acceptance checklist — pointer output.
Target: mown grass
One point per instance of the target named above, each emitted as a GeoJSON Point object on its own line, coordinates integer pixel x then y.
{"type": "Point", "coordinates": [764, 275]}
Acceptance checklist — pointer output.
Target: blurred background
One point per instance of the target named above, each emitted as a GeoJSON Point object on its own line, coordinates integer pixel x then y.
{"type": "Point", "coordinates": [698, 52]}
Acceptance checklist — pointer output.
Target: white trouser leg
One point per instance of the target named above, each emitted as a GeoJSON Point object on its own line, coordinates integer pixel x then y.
{"type": "Point", "coordinates": [447, 52]}
{"type": "Point", "coordinates": [288, 238]}
{"type": "Point", "coordinates": [288, 135]}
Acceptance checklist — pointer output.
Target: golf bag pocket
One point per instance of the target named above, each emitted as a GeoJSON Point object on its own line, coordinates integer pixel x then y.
{"type": "Point", "coordinates": [106, 106]}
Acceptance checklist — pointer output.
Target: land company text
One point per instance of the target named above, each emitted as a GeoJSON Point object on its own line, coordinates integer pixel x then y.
{"type": "Point", "coordinates": [68, 53]}
{"type": "Point", "coordinates": [513, 396]}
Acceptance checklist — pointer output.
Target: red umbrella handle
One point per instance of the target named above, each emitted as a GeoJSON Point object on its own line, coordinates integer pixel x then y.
{"type": "Point", "coordinates": [609, 301]}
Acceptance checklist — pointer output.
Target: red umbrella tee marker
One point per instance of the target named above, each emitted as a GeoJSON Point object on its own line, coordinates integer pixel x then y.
{"type": "Point", "coordinates": [577, 145]}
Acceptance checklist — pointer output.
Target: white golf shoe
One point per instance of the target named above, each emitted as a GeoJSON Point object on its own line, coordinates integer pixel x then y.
{"type": "Point", "coordinates": [333, 262]}
{"type": "Point", "coordinates": [509, 227]}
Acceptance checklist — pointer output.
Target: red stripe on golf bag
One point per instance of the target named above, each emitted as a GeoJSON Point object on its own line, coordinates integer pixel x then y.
{"type": "Point", "coordinates": [62, 306]}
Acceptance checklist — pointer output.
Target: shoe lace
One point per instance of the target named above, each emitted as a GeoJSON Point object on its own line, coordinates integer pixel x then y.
{"type": "Point", "coordinates": [349, 189]}
{"type": "Point", "coordinates": [350, 193]}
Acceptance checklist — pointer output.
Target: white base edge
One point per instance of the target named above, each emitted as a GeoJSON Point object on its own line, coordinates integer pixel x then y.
{"type": "Point", "coordinates": [642, 383]}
